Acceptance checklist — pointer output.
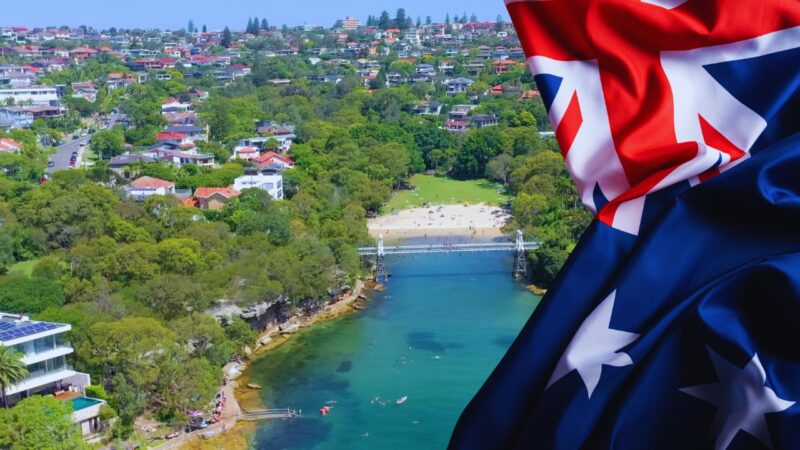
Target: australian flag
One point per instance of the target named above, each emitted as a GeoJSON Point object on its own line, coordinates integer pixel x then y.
{"type": "Point", "coordinates": [675, 324]}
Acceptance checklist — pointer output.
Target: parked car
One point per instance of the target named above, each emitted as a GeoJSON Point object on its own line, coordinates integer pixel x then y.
{"type": "Point", "coordinates": [51, 163]}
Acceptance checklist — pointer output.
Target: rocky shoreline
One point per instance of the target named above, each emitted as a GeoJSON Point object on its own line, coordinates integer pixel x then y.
{"type": "Point", "coordinates": [248, 398]}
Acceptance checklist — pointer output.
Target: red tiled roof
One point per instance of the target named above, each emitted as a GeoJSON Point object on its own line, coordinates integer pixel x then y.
{"type": "Point", "coordinates": [205, 192]}
{"type": "Point", "coordinates": [190, 202]}
{"type": "Point", "coordinates": [269, 156]}
{"type": "Point", "coordinates": [151, 183]}
{"type": "Point", "coordinates": [9, 145]}
{"type": "Point", "coordinates": [165, 136]}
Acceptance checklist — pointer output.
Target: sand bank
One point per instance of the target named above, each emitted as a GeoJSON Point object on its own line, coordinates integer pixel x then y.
{"type": "Point", "coordinates": [442, 220]}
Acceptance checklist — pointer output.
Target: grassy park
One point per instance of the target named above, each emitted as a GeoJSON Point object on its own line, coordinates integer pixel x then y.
{"type": "Point", "coordinates": [433, 189]}
{"type": "Point", "coordinates": [24, 268]}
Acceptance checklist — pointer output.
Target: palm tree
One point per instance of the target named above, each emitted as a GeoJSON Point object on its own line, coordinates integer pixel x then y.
{"type": "Point", "coordinates": [12, 369]}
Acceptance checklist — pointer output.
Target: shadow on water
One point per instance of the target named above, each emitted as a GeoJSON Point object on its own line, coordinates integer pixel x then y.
{"type": "Point", "coordinates": [481, 273]}
{"type": "Point", "coordinates": [331, 383]}
{"type": "Point", "coordinates": [424, 340]}
{"type": "Point", "coordinates": [345, 366]}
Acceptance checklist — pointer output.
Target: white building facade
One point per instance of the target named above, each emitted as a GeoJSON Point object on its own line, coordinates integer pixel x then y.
{"type": "Point", "coordinates": [266, 180]}
{"type": "Point", "coordinates": [45, 351]}
{"type": "Point", "coordinates": [32, 95]}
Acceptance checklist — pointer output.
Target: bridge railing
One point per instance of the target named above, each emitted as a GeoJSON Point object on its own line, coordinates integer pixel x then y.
{"type": "Point", "coordinates": [454, 248]}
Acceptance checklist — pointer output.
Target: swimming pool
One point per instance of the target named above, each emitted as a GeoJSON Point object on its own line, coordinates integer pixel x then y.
{"type": "Point", "coordinates": [80, 403]}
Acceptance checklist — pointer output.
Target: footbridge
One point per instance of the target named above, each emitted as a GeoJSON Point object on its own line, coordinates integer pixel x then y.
{"type": "Point", "coordinates": [519, 247]}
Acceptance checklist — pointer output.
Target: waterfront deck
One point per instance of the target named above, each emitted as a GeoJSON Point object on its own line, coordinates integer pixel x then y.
{"type": "Point", "coordinates": [269, 414]}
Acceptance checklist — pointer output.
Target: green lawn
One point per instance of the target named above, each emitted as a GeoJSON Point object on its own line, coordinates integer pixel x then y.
{"type": "Point", "coordinates": [23, 268]}
{"type": "Point", "coordinates": [435, 190]}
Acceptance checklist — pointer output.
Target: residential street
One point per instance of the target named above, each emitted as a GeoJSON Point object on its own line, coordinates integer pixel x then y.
{"type": "Point", "coordinates": [64, 151]}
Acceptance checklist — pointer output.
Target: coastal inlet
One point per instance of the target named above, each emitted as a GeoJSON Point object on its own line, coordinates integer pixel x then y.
{"type": "Point", "coordinates": [398, 374]}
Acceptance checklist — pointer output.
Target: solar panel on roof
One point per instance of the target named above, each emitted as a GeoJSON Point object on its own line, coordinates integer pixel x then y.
{"type": "Point", "coordinates": [9, 331]}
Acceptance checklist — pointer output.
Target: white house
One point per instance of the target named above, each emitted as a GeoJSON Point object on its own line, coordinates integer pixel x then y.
{"type": "Point", "coordinates": [269, 180]}
{"type": "Point", "coordinates": [15, 117]}
{"type": "Point", "coordinates": [33, 95]}
{"type": "Point", "coordinates": [144, 187]}
{"type": "Point", "coordinates": [245, 153]}
{"type": "Point", "coordinates": [175, 105]}
{"type": "Point", "coordinates": [284, 142]}
{"type": "Point", "coordinates": [45, 349]}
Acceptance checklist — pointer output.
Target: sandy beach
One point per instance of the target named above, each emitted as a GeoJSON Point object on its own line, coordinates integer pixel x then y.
{"type": "Point", "coordinates": [443, 220]}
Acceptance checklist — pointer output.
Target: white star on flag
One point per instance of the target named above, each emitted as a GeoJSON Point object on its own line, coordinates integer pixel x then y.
{"type": "Point", "coordinates": [595, 345]}
{"type": "Point", "coordinates": [742, 400]}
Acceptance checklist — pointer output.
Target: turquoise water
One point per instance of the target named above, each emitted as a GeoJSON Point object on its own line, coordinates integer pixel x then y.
{"type": "Point", "coordinates": [433, 336]}
{"type": "Point", "coordinates": [80, 403]}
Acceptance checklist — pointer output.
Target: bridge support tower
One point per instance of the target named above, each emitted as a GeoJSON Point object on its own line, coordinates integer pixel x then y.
{"type": "Point", "coordinates": [380, 264]}
{"type": "Point", "coordinates": [521, 259]}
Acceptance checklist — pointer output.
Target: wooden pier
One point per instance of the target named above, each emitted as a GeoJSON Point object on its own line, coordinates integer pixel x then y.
{"type": "Point", "coordinates": [269, 414]}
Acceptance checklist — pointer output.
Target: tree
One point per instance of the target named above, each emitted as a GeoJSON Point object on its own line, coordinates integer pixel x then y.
{"type": "Point", "coordinates": [499, 168]}
{"type": "Point", "coordinates": [447, 19]}
{"type": "Point", "coordinates": [400, 19]}
{"type": "Point", "coordinates": [205, 336]}
{"type": "Point", "coordinates": [108, 143]}
{"type": "Point", "coordinates": [499, 24]}
{"type": "Point", "coordinates": [131, 347]}
{"type": "Point", "coordinates": [481, 145]}
{"type": "Point", "coordinates": [46, 423]}
{"type": "Point", "coordinates": [23, 294]}
{"type": "Point", "coordinates": [172, 295]}
{"type": "Point", "coordinates": [7, 249]}
{"type": "Point", "coordinates": [205, 29]}
{"type": "Point", "coordinates": [428, 20]}
{"type": "Point", "coordinates": [241, 334]}
{"type": "Point", "coordinates": [419, 22]}
{"type": "Point", "coordinates": [190, 28]}
{"type": "Point", "coordinates": [227, 38]}
{"type": "Point", "coordinates": [184, 384]}
{"type": "Point", "coordinates": [249, 27]}
{"type": "Point", "coordinates": [12, 370]}
{"type": "Point", "coordinates": [264, 24]}
{"type": "Point", "coordinates": [473, 18]}
{"type": "Point", "coordinates": [384, 23]}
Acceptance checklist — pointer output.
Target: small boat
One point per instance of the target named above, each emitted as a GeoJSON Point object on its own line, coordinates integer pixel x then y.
{"type": "Point", "coordinates": [401, 400]}
{"type": "Point", "coordinates": [254, 386]}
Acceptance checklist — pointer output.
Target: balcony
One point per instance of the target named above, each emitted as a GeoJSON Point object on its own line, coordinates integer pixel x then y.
{"type": "Point", "coordinates": [33, 357]}
{"type": "Point", "coordinates": [41, 378]}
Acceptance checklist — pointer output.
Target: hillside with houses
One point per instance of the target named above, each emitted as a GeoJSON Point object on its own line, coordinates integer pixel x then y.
{"type": "Point", "coordinates": [172, 193]}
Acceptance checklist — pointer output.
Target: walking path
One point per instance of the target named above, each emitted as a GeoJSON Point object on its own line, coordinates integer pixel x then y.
{"type": "Point", "coordinates": [228, 418]}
